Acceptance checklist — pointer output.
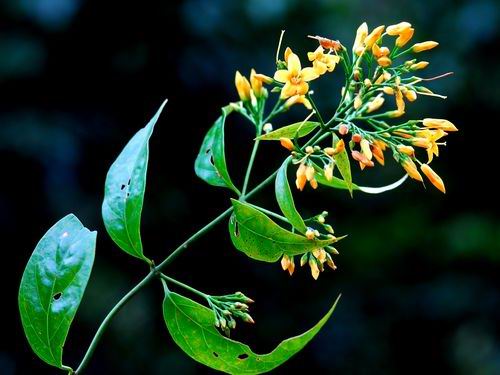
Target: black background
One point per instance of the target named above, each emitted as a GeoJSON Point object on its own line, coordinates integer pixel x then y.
{"type": "Point", "coordinates": [419, 272]}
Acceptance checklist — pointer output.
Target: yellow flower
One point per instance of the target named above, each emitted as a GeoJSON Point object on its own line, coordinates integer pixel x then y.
{"type": "Point", "coordinates": [424, 46]}
{"type": "Point", "coordinates": [372, 38]}
{"type": "Point", "coordinates": [404, 37]}
{"type": "Point", "coordinates": [398, 29]}
{"type": "Point", "coordinates": [433, 149]}
{"type": "Point", "coordinates": [298, 99]}
{"type": "Point", "coordinates": [408, 150]}
{"type": "Point", "coordinates": [411, 169]}
{"type": "Point", "coordinates": [380, 51]}
{"type": "Point", "coordinates": [287, 263]}
{"type": "Point", "coordinates": [242, 86]}
{"type": "Point", "coordinates": [433, 177]}
{"type": "Point", "coordinates": [365, 148]}
{"type": "Point", "coordinates": [323, 62]}
{"type": "Point", "coordinates": [437, 123]}
{"type": "Point", "coordinates": [410, 95]}
{"type": "Point", "coordinates": [361, 35]}
{"type": "Point", "coordinates": [384, 61]}
{"type": "Point", "coordinates": [294, 77]}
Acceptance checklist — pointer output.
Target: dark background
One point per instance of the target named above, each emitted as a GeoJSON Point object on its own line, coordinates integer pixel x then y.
{"type": "Point", "coordinates": [419, 272]}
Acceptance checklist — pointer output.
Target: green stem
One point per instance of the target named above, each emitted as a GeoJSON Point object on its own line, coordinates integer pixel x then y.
{"type": "Point", "coordinates": [151, 275]}
{"type": "Point", "coordinates": [182, 285]}
{"type": "Point", "coordinates": [251, 161]}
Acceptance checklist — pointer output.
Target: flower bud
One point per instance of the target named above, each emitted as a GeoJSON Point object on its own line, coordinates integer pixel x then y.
{"type": "Point", "coordinates": [329, 228]}
{"type": "Point", "coordinates": [339, 147]}
{"type": "Point", "coordinates": [437, 123]}
{"type": "Point", "coordinates": [367, 83]}
{"type": "Point", "coordinates": [357, 101]}
{"type": "Point", "coordinates": [404, 37]}
{"type": "Point", "coordinates": [398, 29]}
{"type": "Point", "coordinates": [365, 147]}
{"type": "Point", "coordinates": [361, 34]}
{"type": "Point", "coordinates": [374, 36]}
{"type": "Point", "coordinates": [424, 46]}
{"type": "Point", "coordinates": [411, 95]}
{"type": "Point", "coordinates": [384, 61]}
{"type": "Point", "coordinates": [410, 168]}
{"type": "Point", "coordinates": [285, 262]}
{"type": "Point", "coordinates": [375, 104]}
{"type": "Point", "coordinates": [433, 177]}
{"type": "Point", "coordinates": [309, 149]}
{"type": "Point", "coordinates": [343, 129]}
{"type": "Point", "coordinates": [301, 179]}
{"type": "Point", "coordinates": [268, 127]}
{"type": "Point", "coordinates": [328, 171]}
{"type": "Point", "coordinates": [419, 65]}
{"type": "Point", "coordinates": [407, 150]}
{"type": "Point", "coordinates": [287, 143]}
{"type": "Point", "coordinates": [313, 264]}
{"type": "Point", "coordinates": [310, 234]}
{"type": "Point", "coordinates": [388, 90]}
{"type": "Point", "coordinates": [309, 172]}
{"type": "Point", "coordinates": [242, 86]}
{"type": "Point", "coordinates": [356, 138]}
{"type": "Point", "coordinates": [303, 259]}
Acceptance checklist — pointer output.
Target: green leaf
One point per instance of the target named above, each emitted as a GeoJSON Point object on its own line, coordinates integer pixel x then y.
{"type": "Point", "coordinates": [192, 328]}
{"type": "Point", "coordinates": [299, 129]}
{"type": "Point", "coordinates": [335, 182]}
{"type": "Point", "coordinates": [53, 284]}
{"type": "Point", "coordinates": [124, 191]}
{"type": "Point", "coordinates": [260, 238]}
{"type": "Point", "coordinates": [343, 164]}
{"type": "Point", "coordinates": [210, 164]}
{"type": "Point", "coordinates": [285, 198]}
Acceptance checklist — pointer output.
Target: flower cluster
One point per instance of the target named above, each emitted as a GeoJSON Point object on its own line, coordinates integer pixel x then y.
{"type": "Point", "coordinates": [380, 81]}
{"type": "Point", "coordinates": [227, 308]}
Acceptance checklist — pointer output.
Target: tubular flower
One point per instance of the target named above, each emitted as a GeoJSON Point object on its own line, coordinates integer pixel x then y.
{"type": "Point", "coordinates": [433, 177]}
{"type": "Point", "coordinates": [362, 159]}
{"type": "Point", "coordinates": [361, 35]}
{"type": "Point", "coordinates": [372, 38]}
{"type": "Point", "coordinates": [298, 99]}
{"type": "Point", "coordinates": [242, 86]}
{"type": "Point", "coordinates": [407, 150]}
{"type": "Point", "coordinates": [365, 148]}
{"type": "Point", "coordinates": [420, 65]}
{"type": "Point", "coordinates": [437, 123]}
{"type": "Point", "coordinates": [294, 77]}
{"type": "Point", "coordinates": [305, 173]}
{"type": "Point", "coordinates": [378, 153]}
{"type": "Point", "coordinates": [288, 264]}
{"type": "Point", "coordinates": [398, 29]}
{"type": "Point", "coordinates": [323, 62]}
{"type": "Point", "coordinates": [287, 143]}
{"type": "Point", "coordinates": [424, 46]}
{"type": "Point", "coordinates": [410, 168]}
{"type": "Point", "coordinates": [404, 37]}
{"type": "Point", "coordinates": [257, 81]}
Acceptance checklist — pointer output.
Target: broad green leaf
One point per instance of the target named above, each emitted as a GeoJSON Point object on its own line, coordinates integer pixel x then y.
{"type": "Point", "coordinates": [285, 198]}
{"type": "Point", "coordinates": [124, 191]}
{"type": "Point", "coordinates": [260, 238]}
{"type": "Point", "coordinates": [343, 164]}
{"type": "Point", "coordinates": [53, 284]}
{"type": "Point", "coordinates": [191, 325]}
{"type": "Point", "coordinates": [210, 164]}
{"type": "Point", "coordinates": [299, 129]}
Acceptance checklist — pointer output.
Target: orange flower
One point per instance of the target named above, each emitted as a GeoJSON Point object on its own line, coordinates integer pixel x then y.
{"type": "Point", "coordinates": [433, 177]}
{"type": "Point", "coordinates": [398, 29]}
{"type": "Point", "coordinates": [287, 143]}
{"type": "Point", "coordinates": [404, 37]}
{"type": "Point", "coordinates": [424, 46]}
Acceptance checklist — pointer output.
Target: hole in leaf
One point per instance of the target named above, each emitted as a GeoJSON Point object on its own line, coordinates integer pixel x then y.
{"type": "Point", "coordinates": [212, 160]}
{"type": "Point", "coordinates": [236, 229]}
{"type": "Point", "coordinates": [243, 356]}
{"type": "Point", "coordinates": [207, 151]}
{"type": "Point", "coordinates": [123, 187]}
{"type": "Point", "coordinates": [216, 355]}
{"type": "Point", "coordinates": [128, 195]}
{"type": "Point", "coordinates": [57, 296]}
{"type": "Point", "coordinates": [128, 183]}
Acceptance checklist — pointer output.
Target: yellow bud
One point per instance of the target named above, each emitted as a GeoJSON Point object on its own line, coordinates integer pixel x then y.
{"type": "Point", "coordinates": [419, 65]}
{"type": "Point", "coordinates": [375, 104]}
{"type": "Point", "coordinates": [291, 266]}
{"type": "Point", "coordinates": [365, 147]}
{"type": "Point", "coordinates": [408, 150]}
{"type": "Point", "coordinates": [394, 114]}
{"type": "Point", "coordinates": [310, 234]}
{"type": "Point", "coordinates": [314, 268]}
{"type": "Point", "coordinates": [388, 90]}
{"type": "Point", "coordinates": [314, 183]}
{"type": "Point", "coordinates": [433, 177]}
{"type": "Point", "coordinates": [437, 123]}
{"type": "Point", "coordinates": [411, 95]}
{"type": "Point", "coordinates": [378, 154]}
{"type": "Point", "coordinates": [367, 83]}
{"type": "Point", "coordinates": [361, 34]}
{"type": "Point", "coordinates": [424, 46]}
{"type": "Point", "coordinates": [421, 142]}
{"type": "Point", "coordinates": [309, 149]}
{"type": "Point", "coordinates": [404, 37]}
{"type": "Point", "coordinates": [287, 143]}
{"type": "Point", "coordinates": [301, 179]}
{"type": "Point", "coordinates": [328, 172]}
{"type": "Point", "coordinates": [374, 36]}
{"type": "Point", "coordinates": [330, 151]}
{"type": "Point", "coordinates": [387, 76]}
{"type": "Point", "coordinates": [357, 101]}
{"type": "Point", "coordinates": [400, 103]}
{"type": "Point", "coordinates": [285, 262]}
{"type": "Point", "coordinates": [256, 84]}
{"type": "Point", "coordinates": [242, 86]}
{"type": "Point", "coordinates": [384, 61]}
{"type": "Point", "coordinates": [309, 172]}
{"type": "Point", "coordinates": [411, 169]}
{"type": "Point", "coordinates": [398, 28]}
{"type": "Point", "coordinates": [339, 147]}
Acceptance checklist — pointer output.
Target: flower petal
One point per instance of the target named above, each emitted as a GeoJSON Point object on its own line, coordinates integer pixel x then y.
{"type": "Point", "coordinates": [308, 74]}
{"type": "Point", "coordinates": [281, 75]}
{"type": "Point", "coordinates": [293, 64]}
